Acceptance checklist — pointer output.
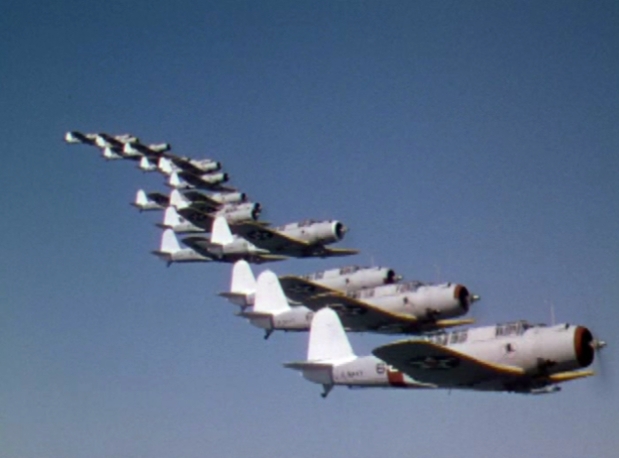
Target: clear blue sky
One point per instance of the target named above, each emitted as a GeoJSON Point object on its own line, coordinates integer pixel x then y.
{"type": "Point", "coordinates": [473, 142]}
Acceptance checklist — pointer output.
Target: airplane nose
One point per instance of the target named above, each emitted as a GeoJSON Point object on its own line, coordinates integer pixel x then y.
{"type": "Point", "coordinates": [340, 230]}
{"type": "Point", "coordinates": [255, 213]}
{"type": "Point", "coordinates": [392, 277]}
{"type": "Point", "coordinates": [583, 345]}
{"type": "Point", "coordinates": [463, 296]}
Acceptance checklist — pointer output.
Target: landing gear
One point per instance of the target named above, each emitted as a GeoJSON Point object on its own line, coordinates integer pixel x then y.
{"type": "Point", "coordinates": [267, 333]}
{"type": "Point", "coordinates": [326, 390]}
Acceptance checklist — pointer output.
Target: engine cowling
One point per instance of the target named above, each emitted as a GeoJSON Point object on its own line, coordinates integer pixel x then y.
{"type": "Point", "coordinates": [214, 178]}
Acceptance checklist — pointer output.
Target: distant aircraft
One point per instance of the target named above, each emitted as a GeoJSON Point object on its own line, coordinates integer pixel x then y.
{"type": "Point", "coordinates": [172, 220]}
{"type": "Point", "coordinates": [301, 240]}
{"type": "Point", "coordinates": [171, 163]}
{"type": "Point", "coordinates": [75, 137]}
{"type": "Point", "coordinates": [516, 357]}
{"type": "Point", "coordinates": [331, 360]}
{"type": "Point", "coordinates": [150, 201]}
{"type": "Point", "coordinates": [171, 252]}
{"type": "Point", "coordinates": [111, 146]}
{"type": "Point", "coordinates": [213, 200]}
{"type": "Point", "coordinates": [223, 246]}
{"type": "Point", "coordinates": [341, 280]}
{"type": "Point", "coordinates": [202, 213]}
{"type": "Point", "coordinates": [208, 181]}
{"type": "Point", "coordinates": [297, 288]}
{"type": "Point", "coordinates": [103, 140]}
{"type": "Point", "coordinates": [153, 151]}
{"type": "Point", "coordinates": [410, 307]}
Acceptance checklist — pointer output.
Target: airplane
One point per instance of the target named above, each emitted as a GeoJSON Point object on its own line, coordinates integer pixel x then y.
{"type": "Point", "coordinates": [111, 146]}
{"type": "Point", "coordinates": [410, 307]}
{"type": "Point", "coordinates": [515, 357]}
{"type": "Point", "coordinates": [223, 246]}
{"type": "Point", "coordinates": [331, 361]}
{"type": "Point", "coordinates": [171, 252]}
{"type": "Point", "coordinates": [171, 163]}
{"type": "Point", "coordinates": [343, 279]}
{"type": "Point", "coordinates": [189, 220]}
{"type": "Point", "coordinates": [208, 181]}
{"type": "Point", "coordinates": [216, 199]}
{"type": "Point", "coordinates": [150, 201]}
{"type": "Point", "coordinates": [152, 151]}
{"type": "Point", "coordinates": [301, 240]}
{"type": "Point", "coordinates": [203, 212]}
{"type": "Point", "coordinates": [271, 309]}
{"type": "Point", "coordinates": [75, 137]}
{"type": "Point", "coordinates": [297, 288]}
{"type": "Point", "coordinates": [384, 318]}
{"type": "Point", "coordinates": [103, 140]}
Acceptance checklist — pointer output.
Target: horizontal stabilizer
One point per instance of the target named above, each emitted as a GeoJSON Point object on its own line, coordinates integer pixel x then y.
{"type": "Point", "coordinates": [234, 297]}
{"type": "Point", "coordinates": [250, 314]}
{"type": "Point", "coordinates": [305, 365]}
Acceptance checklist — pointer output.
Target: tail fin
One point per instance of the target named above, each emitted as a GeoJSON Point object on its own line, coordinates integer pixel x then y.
{"type": "Point", "coordinates": [146, 165]}
{"type": "Point", "coordinates": [269, 294]}
{"type": "Point", "coordinates": [140, 199]}
{"type": "Point", "coordinates": [328, 340]}
{"type": "Point", "coordinates": [109, 154]}
{"type": "Point", "coordinates": [174, 181]}
{"type": "Point", "coordinates": [243, 280]}
{"type": "Point", "coordinates": [169, 242]}
{"type": "Point", "coordinates": [220, 233]}
{"type": "Point", "coordinates": [165, 166]}
{"type": "Point", "coordinates": [171, 218]}
{"type": "Point", "coordinates": [178, 200]}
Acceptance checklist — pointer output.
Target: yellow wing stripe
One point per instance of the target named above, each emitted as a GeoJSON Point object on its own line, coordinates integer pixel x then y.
{"type": "Point", "coordinates": [567, 376]}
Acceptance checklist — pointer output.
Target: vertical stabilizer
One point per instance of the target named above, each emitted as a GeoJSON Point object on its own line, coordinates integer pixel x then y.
{"type": "Point", "coordinates": [146, 165]}
{"type": "Point", "coordinates": [178, 200]}
{"type": "Point", "coordinates": [169, 242]}
{"type": "Point", "coordinates": [270, 297]}
{"type": "Point", "coordinates": [171, 217]}
{"type": "Point", "coordinates": [220, 233]}
{"type": "Point", "coordinates": [140, 199]}
{"type": "Point", "coordinates": [165, 166]}
{"type": "Point", "coordinates": [328, 340]}
{"type": "Point", "coordinates": [243, 280]}
{"type": "Point", "coordinates": [174, 181]}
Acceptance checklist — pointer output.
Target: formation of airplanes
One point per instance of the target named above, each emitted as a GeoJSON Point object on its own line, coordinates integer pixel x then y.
{"type": "Point", "coordinates": [207, 220]}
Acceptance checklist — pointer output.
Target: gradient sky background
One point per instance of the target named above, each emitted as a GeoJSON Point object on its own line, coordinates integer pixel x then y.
{"type": "Point", "coordinates": [473, 142]}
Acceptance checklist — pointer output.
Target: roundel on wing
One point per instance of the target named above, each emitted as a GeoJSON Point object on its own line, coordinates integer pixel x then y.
{"type": "Point", "coordinates": [302, 288]}
{"type": "Point", "coordinates": [259, 235]}
{"type": "Point", "coordinates": [434, 362]}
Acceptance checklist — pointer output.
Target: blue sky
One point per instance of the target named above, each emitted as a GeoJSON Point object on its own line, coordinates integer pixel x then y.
{"type": "Point", "coordinates": [471, 142]}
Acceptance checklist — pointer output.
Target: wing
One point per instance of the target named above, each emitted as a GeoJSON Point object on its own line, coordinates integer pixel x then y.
{"type": "Point", "coordinates": [201, 199]}
{"type": "Point", "coordinates": [299, 289]}
{"type": "Point", "coordinates": [159, 198]}
{"type": "Point", "coordinates": [440, 365]}
{"type": "Point", "coordinates": [200, 245]}
{"type": "Point", "coordinates": [198, 182]}
{"type": "Point", "coordinates": [270, 239]}
{"type": "Point", "coordinates": [197, 217]}
{"type": "Point", "coordinates": [357, 315]}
